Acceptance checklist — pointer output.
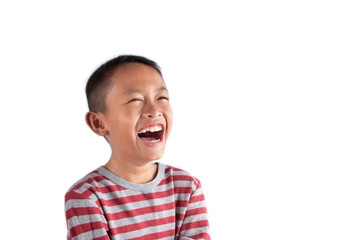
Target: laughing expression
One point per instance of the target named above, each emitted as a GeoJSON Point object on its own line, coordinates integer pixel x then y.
{"type": "Point", "coordinates": [138, 117]}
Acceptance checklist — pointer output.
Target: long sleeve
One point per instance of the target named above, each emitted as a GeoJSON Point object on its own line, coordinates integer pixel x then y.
{"type": "Point", "coordinates": [84, 217]}
{"type": "Point", "coordinates": [195, 224]}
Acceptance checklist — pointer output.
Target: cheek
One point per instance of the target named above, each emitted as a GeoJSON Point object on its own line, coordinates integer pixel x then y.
{"type": "Point", "coordinates": [131, 113]}
{"type": "Point", "coordinates": [126, 128]}
{"type": "Point", "coordinates": [169, 117]}
{"type": "Point", "coordinates": [126, 119]}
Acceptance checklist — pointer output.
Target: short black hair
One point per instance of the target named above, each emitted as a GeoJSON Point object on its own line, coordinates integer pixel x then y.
{"type": "Point", "coordinates": [99, 82]}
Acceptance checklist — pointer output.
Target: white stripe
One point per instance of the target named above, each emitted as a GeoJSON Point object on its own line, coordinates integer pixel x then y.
{"type": "Point", "coordinates": [141, 218]}
{"type": "Point", "coordinates": [178, 173]}
{"type": "Point", "coordinates": [145, 231]}
{"type": "Point", "coordinates": [195, 231]}
{"type": "Point", "coordinates": [195, 218]}
{"type": "Point", "coordinates": [129, 193]}
{"type": "Point", "coordinates": [197, 192]}
{"type": "Point", "coordinates": [76, 203]}
{"type": "Point", "coordinates": [86, 186]}
{"type": "Point", "coordinates": [77, 220]}
{"type": "Point", "coordinates": [138, 205]}
{"type": "Point", "coordinates": [195, 205]}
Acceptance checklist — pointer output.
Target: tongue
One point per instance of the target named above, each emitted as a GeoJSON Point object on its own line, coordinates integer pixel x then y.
{"type": "Point", "coordinates": [148, 139]}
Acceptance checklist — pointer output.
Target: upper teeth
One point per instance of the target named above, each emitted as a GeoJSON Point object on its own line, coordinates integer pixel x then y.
{"type": "Point", "coordinates": [151, 129]}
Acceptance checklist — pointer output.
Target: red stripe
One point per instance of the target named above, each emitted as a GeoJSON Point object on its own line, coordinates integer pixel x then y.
{"type": "Point", "coordinates": [180, 217]}
{"type": "Point", "coordinates": [82, 211]}
{"type": "Point", "coordinates": [145, 197]}
{"type": "Point", "coordinates": [86, 227]}
{"type": "Point", "coordinates": [142, 225]}
{"type": "Point", "coordinates": [203, 235]}
{"type": "Point", "coordinates": [196, 211]}
{"type": "Point", "coordinates": [73, 195]}
{"type": "Point", "coordinates": [174, 169]}
{"type": "Point", "coordinates": [156, 235]}
{"type": "Point", "coordinates": [130, 199]}
{"type": "Point", "coordinates": [139, 211]}
{"type": "Point", "coordinates": [145, 210]}
{"type": "Point", "coordinates": [111, 188]}
{"type": "Point", "coordinates": [192, 225]}
{"type": "Point", "coordinates": [173, 178]}
{"type": "Point", "coordinates": [105, 189]}
{"type": "Point", "coordinates": [183, 190]}
{"type": "Point", "coordinates": [167, 170]}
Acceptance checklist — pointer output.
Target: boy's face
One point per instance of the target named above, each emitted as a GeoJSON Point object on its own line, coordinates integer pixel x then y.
{"type": "Point", "coordinates": [139, 115]}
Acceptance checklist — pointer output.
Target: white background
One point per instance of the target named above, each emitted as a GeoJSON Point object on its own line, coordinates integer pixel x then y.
{"type": "Point", "coordinates": [265, 96]}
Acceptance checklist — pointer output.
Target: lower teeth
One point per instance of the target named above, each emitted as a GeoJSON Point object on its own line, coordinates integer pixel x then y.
{"type": "Point", "coordinates": [150, 140]}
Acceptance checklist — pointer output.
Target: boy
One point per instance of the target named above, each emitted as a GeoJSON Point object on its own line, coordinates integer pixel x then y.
{"type": "Point", "coordinates": [130, 197]}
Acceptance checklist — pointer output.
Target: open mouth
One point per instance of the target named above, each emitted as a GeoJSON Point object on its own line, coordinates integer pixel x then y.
{"type": "Point", "coordinates": [152, 133]}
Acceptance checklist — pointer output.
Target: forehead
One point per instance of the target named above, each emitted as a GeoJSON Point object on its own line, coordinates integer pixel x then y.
{"type": "Point", "coordinates": [135, 76]}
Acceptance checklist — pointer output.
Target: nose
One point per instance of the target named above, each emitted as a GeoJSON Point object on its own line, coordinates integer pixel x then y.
{"type": "Point", "coordinates": [151, 110]}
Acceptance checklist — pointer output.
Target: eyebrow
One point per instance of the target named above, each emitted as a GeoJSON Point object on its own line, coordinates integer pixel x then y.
{"type": "Point", "coordinates": [131, 91]}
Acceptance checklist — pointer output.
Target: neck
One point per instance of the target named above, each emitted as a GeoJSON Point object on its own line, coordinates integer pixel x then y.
{"type": "Point", "coordinates": [132, 172]}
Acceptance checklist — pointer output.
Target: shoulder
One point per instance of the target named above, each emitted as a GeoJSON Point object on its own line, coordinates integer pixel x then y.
{"type": "Point", "coordinates": [181, 177]}
{"type": "Point", "coordinates": [87, 186]}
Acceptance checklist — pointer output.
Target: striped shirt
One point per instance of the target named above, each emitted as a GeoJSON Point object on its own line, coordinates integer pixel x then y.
{"type": "Point", "coordinates": [104, 206]}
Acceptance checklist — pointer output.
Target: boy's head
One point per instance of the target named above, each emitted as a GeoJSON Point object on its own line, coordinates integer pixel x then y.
{"type": "Point", "coordinates": [129, 106]}
{"type": "Point", "coordinates": [99, 82]}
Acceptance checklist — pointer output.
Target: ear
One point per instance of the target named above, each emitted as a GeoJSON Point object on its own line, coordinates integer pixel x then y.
{"type": "Point", "coordinates": [95, 123]}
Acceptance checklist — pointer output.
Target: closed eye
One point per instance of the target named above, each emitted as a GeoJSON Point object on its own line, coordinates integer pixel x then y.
{"type": "Point", "coordinates": [160, 98]}
{"type": "Point", "coordinates": [134, 99]}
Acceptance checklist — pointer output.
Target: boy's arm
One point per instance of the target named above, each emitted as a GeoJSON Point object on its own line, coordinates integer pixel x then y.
{"type": "Point", "coordinates": [84, 218]}
{"type": "Point", "coordinates": [195, 224]}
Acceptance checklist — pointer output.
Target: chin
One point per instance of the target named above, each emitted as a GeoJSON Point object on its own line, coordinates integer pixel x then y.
{"type": "Point", "coordinates": [153, 156]}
